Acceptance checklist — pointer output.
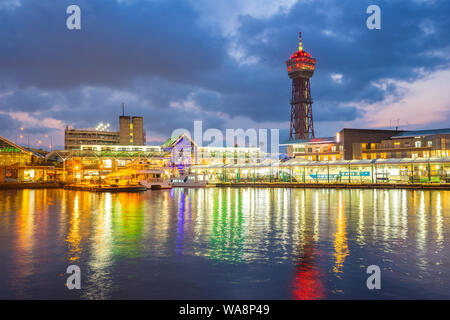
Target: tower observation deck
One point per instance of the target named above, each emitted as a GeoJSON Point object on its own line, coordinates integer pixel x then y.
{"type": "Point", "coordinates": [300, 68]}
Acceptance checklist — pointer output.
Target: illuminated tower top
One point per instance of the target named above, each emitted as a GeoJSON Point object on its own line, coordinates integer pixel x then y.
{"type": "Point", "coordinates": [301, 64]}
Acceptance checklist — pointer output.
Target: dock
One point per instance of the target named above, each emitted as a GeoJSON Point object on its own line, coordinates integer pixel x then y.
{"type": "Point", "coordinates": [415, 186]}
{"type": "Point", "coordinates": [30, 185]}
{"type": "Point", "coordinates": [103, 188]}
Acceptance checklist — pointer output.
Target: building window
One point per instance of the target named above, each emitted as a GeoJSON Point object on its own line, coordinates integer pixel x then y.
{"type": "Point", "coordinates": [333, 148]}
{"type": "Point", "coordinates": [107, 163]}
{"type": "Point", "coordinates": [418, 144]}
{"type": "Point", "coordinates": [430, 143]}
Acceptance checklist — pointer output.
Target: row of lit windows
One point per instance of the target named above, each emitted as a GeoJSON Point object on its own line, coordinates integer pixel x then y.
{"type": "Point", "coordinates": [331, 157]}
{"type": "Point", "coordinates": [417, 154]}
{"type": "Point", "coordinates": [316, 149]}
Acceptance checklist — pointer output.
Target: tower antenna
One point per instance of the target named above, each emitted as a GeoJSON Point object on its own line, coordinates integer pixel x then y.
{"type": "Point", "coordinates": [300, 47]}
{"type": "Point", "coordinates": [123, 109]}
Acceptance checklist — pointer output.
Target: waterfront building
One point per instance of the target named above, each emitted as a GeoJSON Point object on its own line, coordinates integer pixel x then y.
{"type": "Point", "coordinates": [376, 156]}
{"type": "Point", "coordinates": [362, 144]}
{"type": "Point", "coordinates": [298, 170]}
{"type": "Point", "coordinates": [94, 162]}
{"type": "Point", "coordinates": [185, 151]}
{"type": "Point", "coordinates": [339, 147]}
{"type": "Point", "coordinates": [406, 144]}
{"type": "Point", "coordinates": [20, 164]}
{"type": "Point", "coordinates": [175, 156]}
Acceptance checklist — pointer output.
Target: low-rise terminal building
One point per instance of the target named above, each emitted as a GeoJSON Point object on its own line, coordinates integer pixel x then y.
{"type": "Point", "coordinates": [417, 170]}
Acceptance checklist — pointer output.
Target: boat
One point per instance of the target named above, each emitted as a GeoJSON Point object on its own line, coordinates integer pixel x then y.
{"type": "Point", "coordinates": [156, 183]}
{"type": "Point", "coordinates": [106, 187]}
{"type": "Point", "coordinates": [142, 174]}
{"type": "Point", "coordinates": [188, 181]}
{"type": "Point", "coordinates": [153, 178]}
{"type": "Point", "coordinates": [123, 188]}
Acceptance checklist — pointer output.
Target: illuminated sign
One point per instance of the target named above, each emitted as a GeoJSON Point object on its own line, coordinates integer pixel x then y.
{"type": "Point", "coordinates": [9, 149]}
{"type": "Point", "coordinates": [342, 174]}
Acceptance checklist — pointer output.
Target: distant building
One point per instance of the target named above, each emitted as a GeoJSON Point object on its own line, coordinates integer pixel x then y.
{"type": "Point", "coordinates": [74, 138]}
{"type": "Point", "coordinates": [138, 131]}
{"type": "Point", "coordinates": [125, 131]}
{"type": "Point", "coordinates": [131, 131]}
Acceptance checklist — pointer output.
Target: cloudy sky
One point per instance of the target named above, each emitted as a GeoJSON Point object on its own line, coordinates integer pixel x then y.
{"type": "Point", "coordinates": [222, 62]}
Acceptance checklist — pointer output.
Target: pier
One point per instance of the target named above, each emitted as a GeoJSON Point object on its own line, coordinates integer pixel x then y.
{"type": "Point", "coordinates": [415, 186]}
{"type": "Point", "coordinates": [105, 188]}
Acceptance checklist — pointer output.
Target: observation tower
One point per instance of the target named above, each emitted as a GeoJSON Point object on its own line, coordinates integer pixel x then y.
{"type": "Point", "coordinates": [300, 68]}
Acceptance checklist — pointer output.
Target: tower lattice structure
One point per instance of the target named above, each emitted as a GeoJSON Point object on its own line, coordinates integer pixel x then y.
{"type": "Point", "coordinates": [300, 68]}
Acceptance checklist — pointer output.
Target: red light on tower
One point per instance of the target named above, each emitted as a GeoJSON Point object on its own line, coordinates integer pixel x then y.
{"type": "Point", "coordinates": [301, 67]}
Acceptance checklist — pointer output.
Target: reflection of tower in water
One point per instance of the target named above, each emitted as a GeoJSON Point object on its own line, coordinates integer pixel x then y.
{"type": "Point", "coordinates": [309, 279]}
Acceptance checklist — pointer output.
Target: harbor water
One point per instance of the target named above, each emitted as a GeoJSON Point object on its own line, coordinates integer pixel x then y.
{"type": "Point", "coordinates": [225, 243]}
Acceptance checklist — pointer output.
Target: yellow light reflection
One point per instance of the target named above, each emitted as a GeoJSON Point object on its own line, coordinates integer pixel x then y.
{"type": "Point", "coordinates": [340, 242]}
{"type": "Point", "coordinates": [25, 230]}
{"type": "Point", "coordinates": [99, 280]}
{"type": "Point", "coordinates": [439, 223]}
{"type": "Point", "coordinates": [360, 236]}
{"type": "Point", "coordinates": [73, 236]}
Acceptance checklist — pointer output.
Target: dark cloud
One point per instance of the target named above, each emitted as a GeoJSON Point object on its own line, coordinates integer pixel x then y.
{"type": "Point", "coordinates": [154, 54]}
{"type": "Point", "coordinates": [8, 124]}
{"type": "Point", "coordinates": [116, 43]}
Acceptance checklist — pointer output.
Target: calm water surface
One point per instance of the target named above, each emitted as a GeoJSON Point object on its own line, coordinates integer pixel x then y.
{"type": "Point", "coordinates": [225, 243]}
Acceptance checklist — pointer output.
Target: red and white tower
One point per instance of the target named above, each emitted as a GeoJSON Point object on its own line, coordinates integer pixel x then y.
{"type": "Point", "coordinates": [300, 69]}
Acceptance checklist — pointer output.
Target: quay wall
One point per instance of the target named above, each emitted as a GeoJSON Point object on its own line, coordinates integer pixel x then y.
{"type": "Point", "coordinates": [415, 186]}
{"type": "Point", "coordinates": [29, 185]}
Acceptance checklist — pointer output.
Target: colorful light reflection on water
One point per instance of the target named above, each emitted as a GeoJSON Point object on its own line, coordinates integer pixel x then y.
{"type": "Point", "coordinates": [225, 243]}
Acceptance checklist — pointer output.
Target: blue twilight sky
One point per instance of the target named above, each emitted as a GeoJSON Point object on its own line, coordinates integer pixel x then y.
{"type": "Point", "coordinates": [222, 62]}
